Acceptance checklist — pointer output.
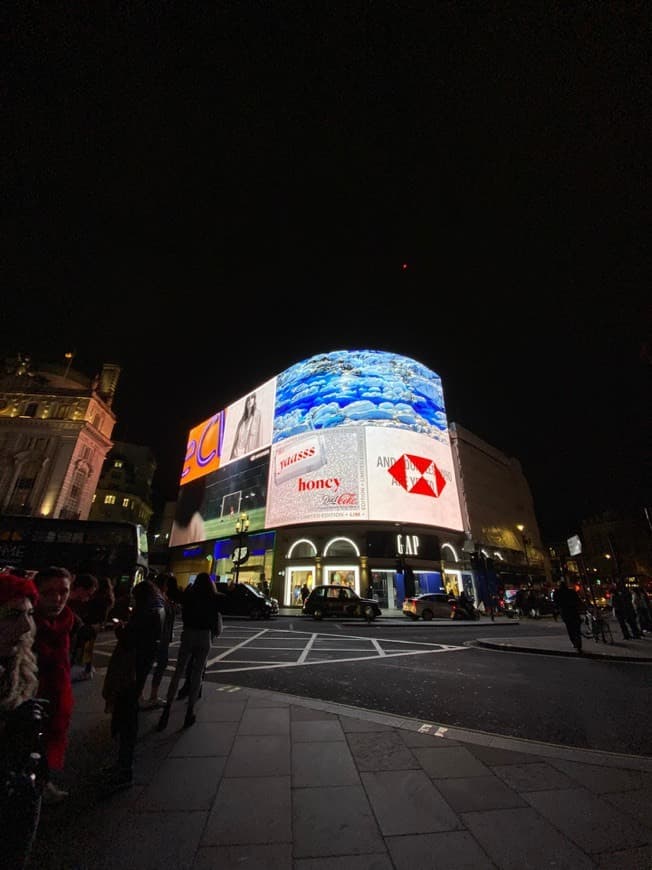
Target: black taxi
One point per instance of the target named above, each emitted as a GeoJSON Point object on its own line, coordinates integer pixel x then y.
{"type": "Point", "coordinates": [341, 602]}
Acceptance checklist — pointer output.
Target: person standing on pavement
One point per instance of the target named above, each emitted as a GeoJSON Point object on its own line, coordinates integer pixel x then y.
{"type": "Point", "coordinates": [641, 602]}
{"type": "Point", "coordinates": [23, 766]}
{"type": "Point", "coordinates": [569, 604]}
{"type": "Point", "coordinates": [167, 586]}
{"type": "Point", "coordinates": [82, 641]}
{"type": "Point", "coordinates": [129, 667]}
{"type": "Point", "coordinates": [621, 601]}
{"type": "Point", "coordinates": [200, 613]}
{"type": "Point", "coordinates": [55, 622]}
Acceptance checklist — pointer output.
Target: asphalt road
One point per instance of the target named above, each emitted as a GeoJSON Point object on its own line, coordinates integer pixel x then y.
{"type": "Point", "coordinates": [434, 673]}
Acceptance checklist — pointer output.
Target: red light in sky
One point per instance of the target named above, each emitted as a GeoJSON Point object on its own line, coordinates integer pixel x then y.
{"type": "Point", "coordinates": [404, 266]}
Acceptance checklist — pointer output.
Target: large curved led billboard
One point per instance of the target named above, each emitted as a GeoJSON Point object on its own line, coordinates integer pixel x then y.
{"type": "Point", "coordinates": [341, 436]}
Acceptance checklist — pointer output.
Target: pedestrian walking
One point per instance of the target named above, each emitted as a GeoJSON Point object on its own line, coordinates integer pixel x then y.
{"type": "Point", "coordinates": [569, 605]}
{"type": "Point", "coordinates": [167, 586]}
{"type": "Point", "coordinates": [202, 622]}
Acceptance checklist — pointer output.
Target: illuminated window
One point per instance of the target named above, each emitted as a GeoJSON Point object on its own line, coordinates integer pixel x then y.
{"type": "Point", "coordinates": [109, 499]}
{"type": "Point", "coordinates": [22, 491]}
{"type": "Point", "coordinates": [118, 463]}
{"type": "Point", "coordinates": [125, 502]}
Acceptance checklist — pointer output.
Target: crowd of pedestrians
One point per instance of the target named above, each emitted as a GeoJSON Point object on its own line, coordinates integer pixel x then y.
{"type": "Point", "coordinates": [631, 608]}
{"type": "Point", "coordinates": [48, 628]}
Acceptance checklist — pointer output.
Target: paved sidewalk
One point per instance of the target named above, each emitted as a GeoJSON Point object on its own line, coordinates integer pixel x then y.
{"type": "Point", "coordinates": [558, 645]}
{"type": "Point", "coordinates": [265, 780]}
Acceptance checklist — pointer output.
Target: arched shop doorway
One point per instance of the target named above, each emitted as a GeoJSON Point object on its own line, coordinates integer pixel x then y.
{"type": "Point", "coordinates": [339, 563]}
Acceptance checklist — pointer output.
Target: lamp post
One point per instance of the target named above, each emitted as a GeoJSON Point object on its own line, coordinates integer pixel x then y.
{"type": "Point", "coordinates": [526, 541]}
{"type": "Point", "coordinates": [239, 556]}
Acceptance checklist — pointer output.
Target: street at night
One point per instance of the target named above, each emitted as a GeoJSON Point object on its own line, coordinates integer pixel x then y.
{"type": "Point", "coordinates": [435, 673]}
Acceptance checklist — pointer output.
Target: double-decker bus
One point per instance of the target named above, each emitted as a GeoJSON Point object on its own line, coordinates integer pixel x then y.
{"type": "Point", "coordinates": [110, 549]}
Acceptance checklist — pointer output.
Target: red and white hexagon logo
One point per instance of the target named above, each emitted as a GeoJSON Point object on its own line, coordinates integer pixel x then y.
{"type": "Point", "coordinates": [418, 474]}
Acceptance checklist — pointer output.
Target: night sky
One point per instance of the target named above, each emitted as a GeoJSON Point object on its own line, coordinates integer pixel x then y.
{"type": "Point", "coordinates": [208, 196]}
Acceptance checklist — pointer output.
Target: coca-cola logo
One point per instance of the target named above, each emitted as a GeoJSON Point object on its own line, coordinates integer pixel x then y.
{"type": "Point", "coordinates": [343, 499]}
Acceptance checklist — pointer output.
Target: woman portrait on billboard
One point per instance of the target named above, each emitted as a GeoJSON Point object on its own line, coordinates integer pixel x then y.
{"type": "Point", "coordinates": [247, 433]}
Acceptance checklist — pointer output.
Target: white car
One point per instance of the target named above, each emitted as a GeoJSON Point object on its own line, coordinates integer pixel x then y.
{"type": "Point", "coordinates": [428, 606]}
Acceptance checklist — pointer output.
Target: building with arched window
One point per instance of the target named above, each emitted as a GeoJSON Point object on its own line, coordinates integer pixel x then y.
{"type": "Point", "coordinates": [350, 473]}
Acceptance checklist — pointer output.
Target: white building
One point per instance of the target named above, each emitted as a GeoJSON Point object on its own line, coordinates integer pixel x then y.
{"type": "Point", "coordinates": [55, 432]}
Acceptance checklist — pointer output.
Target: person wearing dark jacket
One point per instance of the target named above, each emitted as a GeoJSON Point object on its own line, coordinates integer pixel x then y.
{"type": "Point", "coordinates": [621, 601]}
{"type": "Point", "coordinates": [129, 667]}
{"type": "Point", "coordinates": [569, 604]}
{"type": "Point", "coordinates": [200, 614]}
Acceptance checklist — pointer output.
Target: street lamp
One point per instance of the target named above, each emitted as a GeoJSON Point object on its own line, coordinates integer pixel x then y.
{"type": "Point", "coordinates": [526, 541]}
{"type": "Point", "coordinates": [240, 553]}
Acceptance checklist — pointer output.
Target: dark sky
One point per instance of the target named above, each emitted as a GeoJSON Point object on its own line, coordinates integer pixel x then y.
{"type": "Point", "coordinates": [206, 196]}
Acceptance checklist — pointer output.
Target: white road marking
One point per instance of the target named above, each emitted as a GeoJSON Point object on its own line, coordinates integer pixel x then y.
{"type": "Point", "coordinates": [324, 649]}
{"type": "Point", "coordinates": [316, 645]}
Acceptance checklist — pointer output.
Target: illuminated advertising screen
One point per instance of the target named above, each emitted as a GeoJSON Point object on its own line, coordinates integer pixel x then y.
{"type": "Point", "coordinates": [341, 436]}
{"type": "Point", "coordinates": [361, 435]}
{"type": "Point", "coordinates": [225, 470]}
{"type": "Point", "coordinates": [203, 448]}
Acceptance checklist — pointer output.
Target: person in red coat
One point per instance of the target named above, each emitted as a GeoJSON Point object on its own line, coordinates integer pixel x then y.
{"type": "Point", "coordinates": [54, 623]}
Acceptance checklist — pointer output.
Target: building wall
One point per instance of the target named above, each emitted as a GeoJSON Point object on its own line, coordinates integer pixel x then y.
{"type": "Point", "coordinates": [355, 444]}
{"type": "Point", "coordinates": [496, 498]}
{"type": "Point", "coordinates": [124, 488]}
{"type": "Point", "coordinates": [55, 431]}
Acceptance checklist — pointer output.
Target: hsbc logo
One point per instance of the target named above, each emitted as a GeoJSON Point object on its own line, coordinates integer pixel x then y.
{"type": "Point", "coordinates": [418, 475]}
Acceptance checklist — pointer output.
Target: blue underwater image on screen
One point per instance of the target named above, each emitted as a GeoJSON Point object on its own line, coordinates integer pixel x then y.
{"type": "Point", "coordinates": [358, 387]}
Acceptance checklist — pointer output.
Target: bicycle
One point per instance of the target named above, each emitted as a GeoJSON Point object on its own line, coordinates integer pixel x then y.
{"type": "Point", "coordinates": [595, 626]}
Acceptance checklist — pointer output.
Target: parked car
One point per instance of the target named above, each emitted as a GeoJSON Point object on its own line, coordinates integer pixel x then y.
{"type": "Point", "coordinates": [339, 601]}
{"type": "Point", "coordinates": [428, 606]}
{"type": "Point", "coordinates": [242, 599]}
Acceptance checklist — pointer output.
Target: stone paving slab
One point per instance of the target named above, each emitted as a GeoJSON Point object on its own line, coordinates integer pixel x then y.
{"type": "Point", "coordinates": [266, 780]}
